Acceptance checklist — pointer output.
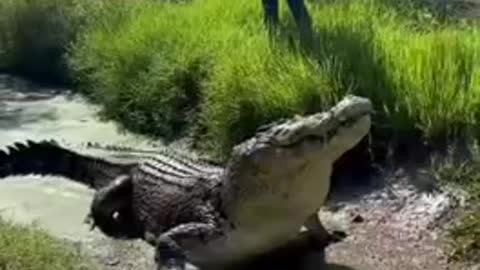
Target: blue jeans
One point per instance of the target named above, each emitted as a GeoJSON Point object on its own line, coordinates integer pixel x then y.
{"type": "Point", "coordinates": [299, 12]}
{"type": "Point", "coordinates": [297, 8]}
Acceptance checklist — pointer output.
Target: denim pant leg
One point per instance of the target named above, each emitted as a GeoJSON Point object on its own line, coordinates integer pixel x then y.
{"type": "Point", "coordinates": [270, 9]}
{"type": "Point", "coordinates": [300, 14]}
{"type": "Point", "coordinates": [302, 18]}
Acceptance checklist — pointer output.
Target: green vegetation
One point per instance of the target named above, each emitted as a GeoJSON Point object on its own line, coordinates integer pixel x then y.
{"type": "Point", "coordinates": [164, 67]}
{"type": "Point", "coordinates": [466, 236]}
{"type": "Point", "coordinates": [212, 72]}
{"type": "Point", "coordinates": [459, 169]}
{"type": "Point", "coordinates": [29, 248]}
{"type": "Point", "coordinates": [209, 70]}
{"type": "Point", "coordinates": [34, 35]}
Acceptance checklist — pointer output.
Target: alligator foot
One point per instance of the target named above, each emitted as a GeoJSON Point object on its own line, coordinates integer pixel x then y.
{"type": "Point", "coordinates": [168, 253]}
{"type": "Point", "coordinates": [187, 266]}
{"type": "Point", "coordinates": [169, 256]}
{"type": "Point", "coordinates": [319, 237]}
{"type": "Point", "coordinates": [90, 221]}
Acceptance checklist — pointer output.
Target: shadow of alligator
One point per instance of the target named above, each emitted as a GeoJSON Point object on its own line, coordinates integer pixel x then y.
{"type": "Point", "coordinates": [294, 255]}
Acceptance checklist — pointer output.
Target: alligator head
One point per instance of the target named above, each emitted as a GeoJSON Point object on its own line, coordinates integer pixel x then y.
{"type": "Point", "coordinates": [332, 132]}
{"type": "Point", "coordinates": [287, 165]}
{"type": "Point", "coordinates": [111, 210]}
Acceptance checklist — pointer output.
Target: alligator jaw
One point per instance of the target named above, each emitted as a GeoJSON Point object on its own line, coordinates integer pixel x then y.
{"type": "Point", "coordinates": [329, 134]}
{"type": "Point", "coordinates": [322, 126]}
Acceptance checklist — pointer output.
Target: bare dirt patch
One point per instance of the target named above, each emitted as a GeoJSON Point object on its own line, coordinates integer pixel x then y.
{"type": "Point", "coordinates": [393, 226]}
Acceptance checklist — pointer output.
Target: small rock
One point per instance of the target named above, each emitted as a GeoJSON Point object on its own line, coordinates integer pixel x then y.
{"type": "Point", "coordinates": [112, 262]}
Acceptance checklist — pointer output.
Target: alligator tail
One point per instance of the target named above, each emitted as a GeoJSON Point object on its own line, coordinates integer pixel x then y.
{"type": "Point", "coordinates": [49, 158]}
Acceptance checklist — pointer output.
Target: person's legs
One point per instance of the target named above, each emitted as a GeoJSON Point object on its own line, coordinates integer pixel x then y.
{"type": "Point", "coordinates": [270, 9]}
{"type": "Point", "coordinates": [300, 13]}
{"type": "Point", "coordinates": [302, 19]}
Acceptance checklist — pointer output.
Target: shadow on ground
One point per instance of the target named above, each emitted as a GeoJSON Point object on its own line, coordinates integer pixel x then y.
{"type": "Point", "coordinates": [295, 255]}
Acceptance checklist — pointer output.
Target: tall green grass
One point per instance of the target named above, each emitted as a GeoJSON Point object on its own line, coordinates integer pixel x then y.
{"type": "Point", "coordinates": [203, 66]}
{"type": "Point", "coordinates": [425, 77]}
{"type": "Point", "coordinates": [209, 66]}
{"type": "Point", "coordinates": [34, 35]}
{"type": "Point", "coordinates": [210, 70]}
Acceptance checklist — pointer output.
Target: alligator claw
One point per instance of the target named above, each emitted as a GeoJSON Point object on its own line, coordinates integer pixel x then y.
{"type": "Point", "coordinates": [177, 265]}
{"type": "Point", "coordinates": [169, 256]}
{"type": "Point", "coordinates": [189, 266]}
{"type": "Point", "coordinates": [173, 264]}
{"type": "Point", "coordinates": [90, 221]}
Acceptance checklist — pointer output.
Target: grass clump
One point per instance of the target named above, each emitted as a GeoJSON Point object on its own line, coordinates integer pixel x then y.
{"type": "Point", "coordinates": [423, 76]}
{"type": "Point", "coordinates": [434, 79]}
{"type": "Point", "coordinates": [139, 69]}
{"type": "Point", "coordinates": [462, 170]}
{"type": "Point", "coordinates": [34, 35]}
{"type": "Point", "coordinates": [465, 236]}
{"type": "Point", "coordinates": [251, 89]}
{"type": "Point", "coordinates": [29, 248]}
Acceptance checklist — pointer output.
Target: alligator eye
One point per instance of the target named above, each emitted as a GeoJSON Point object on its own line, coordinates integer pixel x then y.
{"type": "Point", "coordinates": [116, 215]}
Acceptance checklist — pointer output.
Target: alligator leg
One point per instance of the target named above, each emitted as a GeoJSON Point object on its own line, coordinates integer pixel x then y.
{"type": "Point", "coordinates": [318, 235]}
{"type": "Point", "coordinates": [168, 253]}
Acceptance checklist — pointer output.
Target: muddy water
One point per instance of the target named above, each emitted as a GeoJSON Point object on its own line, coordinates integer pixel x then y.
{"type": "Point", "coordinates": [29, 111]}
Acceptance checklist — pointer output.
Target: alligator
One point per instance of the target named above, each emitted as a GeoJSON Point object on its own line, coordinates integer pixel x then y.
{"type": "Point", "coordinates": [199, 215]}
